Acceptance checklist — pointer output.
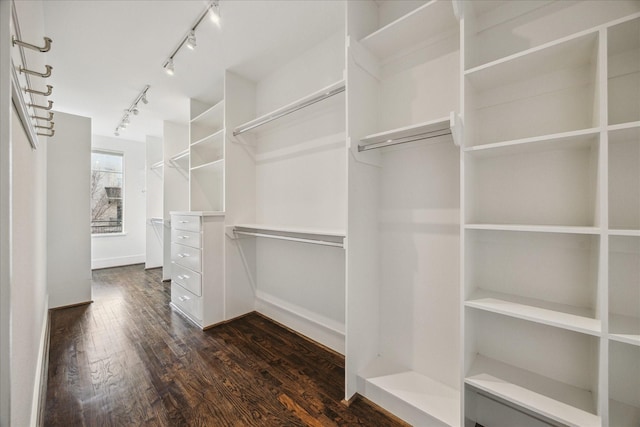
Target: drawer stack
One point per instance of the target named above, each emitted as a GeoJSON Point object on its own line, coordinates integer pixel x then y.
{"type": "Point", "coordinates": [197, 287]}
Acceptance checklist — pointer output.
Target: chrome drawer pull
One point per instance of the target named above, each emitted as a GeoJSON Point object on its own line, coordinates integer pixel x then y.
{"type": "Point", "coordinates": [183, 237]}
{"type": "Point", "coordinates": [183, 277]}
{"type": "Point", "coordinates": [184, 298]}
{"type": "Point", "coordinates": [183, 255]}
{"type": "Point", "coordinates": [183, 222]}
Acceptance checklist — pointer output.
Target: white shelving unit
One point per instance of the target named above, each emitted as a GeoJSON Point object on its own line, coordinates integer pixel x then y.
{"type": "Point", "coordinates": [551, 198]}
{"type": "Point", "coordinates": [206, 154]}
{"type": "Point", "coordinates": [403, 229]}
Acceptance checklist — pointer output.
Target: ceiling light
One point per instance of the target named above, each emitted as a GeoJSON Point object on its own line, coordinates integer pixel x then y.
{"type": "Point", "coordinates": [135, 111]}
{"type": "Point", "coordinates": [116, 133]}
{"type": "Point", "coordinates": [169, 67]}
{"type": "Point", "coordinates": [191, 40]}
{"type": "Point", "coordinates": [144, 98]}
{"type": "Point", "coordinates": [214, 13]}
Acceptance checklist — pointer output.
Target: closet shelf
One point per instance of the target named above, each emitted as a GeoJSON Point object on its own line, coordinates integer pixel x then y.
{"type": "Point", "coordinates": [209, 165]}
{"type": "Point", "coordinates": [563, 140]}
{"type": "Point", "coordinates": [570, 52]}
{"type": "Point", "coordinates": [622, 126]}
{"type": "Point", "coordinates": [210, 113]}
{"type": "Point", "coordinates": [625, 329]}
{"type": "Point", "coordinates": [432, 129]}
{"type": "Point", "coordinates": [217, 134]}
{"type": "Point", "coordinates": [301, 103]}
{"type": "Point", "coordinates": [629, 233]}
{"type": "Point", "coordinates": [426, 22]}
{"type": "Point", "coordinates": [520, 387]}
{"type": "Point", "coordinates": [325, 237]}
{"type": "Point", "coordinates": [430, 397]}
{"type": "Point", "coordinates": [562, 316]}
{"type": "Point", "coordinates": [534, 228]}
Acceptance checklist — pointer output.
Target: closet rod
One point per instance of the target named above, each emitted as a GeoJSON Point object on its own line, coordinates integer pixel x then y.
{"type": "Point", "coordinates": [242, 129]}
{"type": "Point", "coordinates": [293, 239]}
{"type": "Point", "coordinates": [406, 139]}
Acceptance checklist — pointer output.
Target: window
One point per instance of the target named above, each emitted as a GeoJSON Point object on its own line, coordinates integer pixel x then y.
{"type": "Point", "coordinates": [107, 192]}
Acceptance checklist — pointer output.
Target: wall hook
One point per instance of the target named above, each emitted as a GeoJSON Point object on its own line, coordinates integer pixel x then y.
{"type": "Point", "coordinates": [44, 118]}
{"type": "Point", "coordinates": [37, 92]}
{"type": "Point", "coordinates": [42, 107]}
{"type": "Point", "coordinates": [45, 48]}
{"type": "Point", "coordinates": [35, 73]}
{"type": "Point", "coordinates": [53, 132]}
{"type": "Point", "coordinates": [46, 127]}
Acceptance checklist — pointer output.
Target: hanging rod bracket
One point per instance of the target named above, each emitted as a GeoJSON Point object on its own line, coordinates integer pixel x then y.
{"type": "Point", "coordinates": [46, 127]}
{"type": "Point", "coordinates": [45, 48]}
{"type": "Point", "coordinates": [44, 118]}
{"type": "Point", "coordinates": [53, 132]}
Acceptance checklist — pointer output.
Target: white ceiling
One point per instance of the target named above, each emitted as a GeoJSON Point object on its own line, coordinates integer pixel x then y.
{"type": "Point", "coordinates": [104, 52]}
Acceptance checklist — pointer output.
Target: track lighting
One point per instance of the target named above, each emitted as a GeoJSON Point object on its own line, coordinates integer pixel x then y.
{"type": "Point", "coordinates": [169, 67]}
{"type": "Point", "coordinates": [133, 109]}
{"type": "Point", "coordinates": [213, 10]}
{"type": "Point", "coordinates": [191, 40]}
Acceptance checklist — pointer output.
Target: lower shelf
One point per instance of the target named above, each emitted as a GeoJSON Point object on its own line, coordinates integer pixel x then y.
{"type": "Point", "coordinates": [534, 392]}
{"type": "Point", "coordinates": [414, 397]}
{"type": "Point", "coordinates": [624, 329]}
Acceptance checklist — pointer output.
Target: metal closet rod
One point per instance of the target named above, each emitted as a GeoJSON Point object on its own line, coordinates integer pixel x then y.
{"type": "Point", "coordinates": [406, 139]}
{"type": "Point", "coordinates": [292, 239]}
{"type": "Point", "coordinates": [241, 129]}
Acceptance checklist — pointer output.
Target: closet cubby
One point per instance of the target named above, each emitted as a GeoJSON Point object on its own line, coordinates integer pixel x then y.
{"type": "Point", "coordinates": [624, 289]}
{"type": "Point", "coordinates": [624, 184]}
{"type": "Point", "coordinates": [561, 285]}
{"type": "Point", "coordinates": [417, 54]}
{"type": "Point", "coordinates": [623, 52]}
{"type": "Point", "coordinates": [545, 91]}
{"type": "Point", "coordinates": [504, 362]}
{"type": "Point", "coordinates": [624, 385]}
{"type": "Point", "coordinates": [543, 181]}
{"type": "Point", "coordinates": [206, 156]}
{"type": "Point", "coordinates": [286, 185]}
{"type": "Point", "coordinates": [498, 29]}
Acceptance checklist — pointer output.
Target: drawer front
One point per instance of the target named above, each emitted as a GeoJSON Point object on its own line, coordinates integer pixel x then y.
{"type": "Point", "coordinates": [189, 303]}
{"type": "Point", "coordinates": [190, 280]}
{"type": "Point", "coordinates": [185, 222]}
{"type": "Point", "coordinates": [188, 238]}
{"type": "Point", "coordinates": [186, 257]}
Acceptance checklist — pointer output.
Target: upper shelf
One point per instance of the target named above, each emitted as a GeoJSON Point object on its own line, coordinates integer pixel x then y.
{"type": "Point", "coordinates": [426, 130]}
{"type": "Point", "coordinates": [301, 103]}
{"type": "Point", "coordinates": [426, 22]}
{"type": "Point", "coordinates": [535, 228]}
{"type": "Point", "coordinates": [324, 237]}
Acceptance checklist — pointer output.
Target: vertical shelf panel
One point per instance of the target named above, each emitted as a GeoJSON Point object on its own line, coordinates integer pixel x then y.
{"type": "Point", "coordinates": [624, 184]}
{"type": "Point", "coordinates": [624, 72]}
{"type": "Point", "coordinates": [624, 385]}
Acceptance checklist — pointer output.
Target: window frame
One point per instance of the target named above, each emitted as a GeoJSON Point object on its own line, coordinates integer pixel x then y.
{"type": "Point", "coordinates": [123, 231]}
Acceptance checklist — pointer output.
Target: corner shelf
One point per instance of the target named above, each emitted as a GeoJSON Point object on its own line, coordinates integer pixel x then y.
{"type": "Point", "coordinates": [430, 20]}
{"type": "Point", "coordinates": [521, 387]}
{"type": "Point", "coordinates": [312, 98]}
{"type": "Point", "coordinates": [575, 319]}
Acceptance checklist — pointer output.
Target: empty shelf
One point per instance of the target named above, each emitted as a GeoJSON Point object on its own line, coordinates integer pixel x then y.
{"type": "Point", "coordinates": [566, 317]}
{"type": "Point", "coordinates": [624, 329]}
{"type": "Point", "coordinates": [523, 388]}
{"type": "Point", "coordinates": [630, 233]}
{"type": "Point", "coordinates": [301, 103]}
{"type": "Point", "coordinates": [316, 236]}
{"type": "Point", "coordinates": [534, 228]}
{"type": "Point", "coordinates": [422, 24]}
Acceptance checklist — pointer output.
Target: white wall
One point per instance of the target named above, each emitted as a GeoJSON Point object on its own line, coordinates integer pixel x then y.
{"type": "Point", "coordinates": [23, 225]}
{"type": "Point", "coordinates": [129, 247]}
{"type": "Point", "coordinates": [155, 231]}
{"type": "Point", "coordinates": [68, 211]}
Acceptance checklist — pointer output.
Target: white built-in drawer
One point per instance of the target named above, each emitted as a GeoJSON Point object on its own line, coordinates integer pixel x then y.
{"type": "Point", "coordinates": [189, 238]}
{"type": "Point", "coordinates": [186, 301]}
{"type": "Point", "coordinates": [186, 256]}
{"type": "Point", "coordinates": [190, 280]}
{"type": "Point", "coordinates": [185, 222]}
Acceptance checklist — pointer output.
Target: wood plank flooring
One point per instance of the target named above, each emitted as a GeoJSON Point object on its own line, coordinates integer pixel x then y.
{"type": "Point", "coordinates": [129, 360]}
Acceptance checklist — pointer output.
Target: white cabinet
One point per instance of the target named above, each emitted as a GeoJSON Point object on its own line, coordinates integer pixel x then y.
{"type": "Point", "coordinates": [197, 274]}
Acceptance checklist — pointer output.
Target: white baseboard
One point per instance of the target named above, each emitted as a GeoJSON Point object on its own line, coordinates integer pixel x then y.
{"type": "Point", "coordinates": [40, 384]}
{"type": "Point", "coordinates": [117, 261]}
{"type": "Point", "coordinates": [326, 331]}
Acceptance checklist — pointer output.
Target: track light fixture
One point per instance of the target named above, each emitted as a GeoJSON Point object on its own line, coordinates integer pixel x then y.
{"type": "Point", "coordinates": [133, 109]}
{"type": "Point", "coordinates": [213, 10]}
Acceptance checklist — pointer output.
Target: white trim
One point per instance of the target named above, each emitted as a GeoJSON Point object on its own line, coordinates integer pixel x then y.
{"type": "Point", "coordinates": [120, 234]}
{"type": "Point", "coordinates": [327, 332]}
{"type": "Point", "coordinates": [117, 261]}
{"type": "Point", "coordinates": [41, 368]}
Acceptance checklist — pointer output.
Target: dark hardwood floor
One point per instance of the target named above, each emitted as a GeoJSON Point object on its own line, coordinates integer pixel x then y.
{"type": "Point", "coordinates": [129, 360]}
